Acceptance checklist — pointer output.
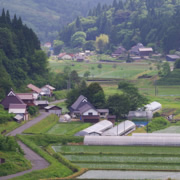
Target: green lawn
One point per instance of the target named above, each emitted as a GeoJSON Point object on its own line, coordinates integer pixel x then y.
{"type": "Point", "coordinates": [122, 157]}
{"type": "Point", "coordinates": [44, 125]}
{"type": "Point", "coordinates": [172, 129]}
{"type": "Point", "coordinates": [15, 162]}
{"type": "Point", "coordinates": [68, 128]}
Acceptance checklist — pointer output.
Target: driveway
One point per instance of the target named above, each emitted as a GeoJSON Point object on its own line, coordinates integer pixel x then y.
{"type": "Point", "coordinates": [37, 161]}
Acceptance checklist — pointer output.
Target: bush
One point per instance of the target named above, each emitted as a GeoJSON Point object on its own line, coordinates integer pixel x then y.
{"type": "Point", "coordinates": [33, 110]}
{"type": "Point", "coordinates": [158, 124]}
{"type": "Point", "coordinates": [60, 94]}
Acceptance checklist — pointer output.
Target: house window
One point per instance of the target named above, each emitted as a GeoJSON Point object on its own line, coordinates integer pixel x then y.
{"type": "Point", "coordinates": [90, 114]}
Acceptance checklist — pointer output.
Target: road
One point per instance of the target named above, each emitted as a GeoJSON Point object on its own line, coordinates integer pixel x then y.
{"type": "Point", "coordinates": [37, 161]}
{"type": "Point", "coordinates": [20, 129]}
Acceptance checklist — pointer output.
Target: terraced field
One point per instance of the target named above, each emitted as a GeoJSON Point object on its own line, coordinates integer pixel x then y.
{"type": "Point", "coordinates": [121, 157]}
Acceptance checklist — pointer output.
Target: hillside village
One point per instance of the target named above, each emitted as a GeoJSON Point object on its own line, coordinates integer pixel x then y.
{"type": "Point", "coordinates": [101, 101]}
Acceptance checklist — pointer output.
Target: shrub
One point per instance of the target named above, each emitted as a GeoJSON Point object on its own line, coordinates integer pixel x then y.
{"type": "Point", "coordinates": [32, 110]}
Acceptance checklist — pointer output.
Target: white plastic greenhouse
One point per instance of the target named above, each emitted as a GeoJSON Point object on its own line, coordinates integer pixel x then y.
{"type": "Point", "coordinates": [156, 134]}
{"type": "Point", "coordinates": [140, 114]}
{"type": "Point", "coordinates": [121, 129]}
{"type": "Point", "coordinates": [96, 129]}
{"type": "Point", "coordinates": [154, 106]}
{"type": "Point", "coordinates": [131, 141]}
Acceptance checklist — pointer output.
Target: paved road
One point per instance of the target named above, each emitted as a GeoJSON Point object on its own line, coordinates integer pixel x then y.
{"type": "Point", "coordinates": [37, 161]}
{"type": "Point", "coordinates": [57, 101]}
{"type": "Point", "coordinates": [20, 129]}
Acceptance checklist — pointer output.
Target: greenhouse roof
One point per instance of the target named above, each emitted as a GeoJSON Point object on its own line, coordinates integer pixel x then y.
{"type": "Point", "coordinates": [121, 129]}
{"type": "Point", "coordinates": [132, 141]}
{"type": "Point", "coordinates": [98, 128]}
{"type": "Point", "coordinates": [153, 106]}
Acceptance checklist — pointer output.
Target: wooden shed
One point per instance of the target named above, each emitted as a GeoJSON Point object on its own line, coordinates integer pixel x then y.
{"type": "Point", "coordinates": [53, 110]}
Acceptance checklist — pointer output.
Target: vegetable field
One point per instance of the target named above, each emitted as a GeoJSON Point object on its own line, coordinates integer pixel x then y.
{"type": "Point", "coordinates": [121, 157]}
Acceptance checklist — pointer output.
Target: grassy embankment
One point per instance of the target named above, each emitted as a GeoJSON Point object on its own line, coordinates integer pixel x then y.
{"type": "Point", "coordinates": [14, 162]}
{"type": "Point", "coordinates": [121, 157]}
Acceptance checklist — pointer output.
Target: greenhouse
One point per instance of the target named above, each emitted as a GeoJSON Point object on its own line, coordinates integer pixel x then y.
{"type": "Point", "coordinates": [123, 128]}
{"type": "Point", "coordinates": [140, 115]}
{"type": "Point", "coordinates": [132, 141]}
{"type": "Point", "coordinates": [96, 129]}
{"type": "Point", "coordinates": [156, 134]}
{"type": "Point", "coordinates": [154, 106]}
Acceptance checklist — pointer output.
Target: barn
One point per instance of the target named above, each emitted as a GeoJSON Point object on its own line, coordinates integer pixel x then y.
{"type": "Point", "coordinates": [53, 110]}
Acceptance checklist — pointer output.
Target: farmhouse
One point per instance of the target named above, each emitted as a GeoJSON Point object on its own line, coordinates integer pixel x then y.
{"type": "Point", "coordinates": [172, 57]}
{"type": "Point", "coordinates": [36, 91]}
{"type": "Point", "coordinates": [20, 110]}
{"type": "Point", "coordinates": [41, 104]}
{"type": "Point", "coordinates": [145, 51]}
{"type": "Point", "coordinates": [54, 110]}
{"type": "Point", "coordinates": [135, 49]}
{"type": "Point", "coordinates": [118, 51]}
{"type": "Point", "coordinates": [47, 90]}
{"type": "Point", "coordinates": [27, 98]}
{"type": "Point", "coordinates": [96, 129]}
{"type": "Point", "coordinates": [11, 98]}
{"type": "Point", "coordinates": [121, 129]}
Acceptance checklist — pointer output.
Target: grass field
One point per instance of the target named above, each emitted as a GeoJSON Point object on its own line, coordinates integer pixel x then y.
{"type": "Point", "coordinates": [172, 129]}
{"type": "Point", "coordinates": [9, 126]}
{"type": "Point", "coordinates": [15, 162]}
{"type": "Point", "coordinates": [68, 128]}
{"type": "Point", "coordinates": [122, 157]}
{"type": "Point", "coordinates": [122, 70]}
{"type": "Point", "coordinates": [44, 125]}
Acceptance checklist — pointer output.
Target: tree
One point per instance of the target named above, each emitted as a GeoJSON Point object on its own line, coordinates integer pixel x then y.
{"type": "Point", "coordinates": [78, 39]}
{"type": "Point", "coordinates": [118, 105]}
{"type": "Point", "coordinates": [95, 95]}
{"type": "Point", "coordinates": [74, 78]}
{"type": "Point", "coordinates": [102, 42]}
{"type": "Point", "coordinates": [87, 74]}
{"type": "Point", "coordinates": [136, 99]}
{"type": "Point", "coordinates": [99, 66]}
{"type": "Point", "coordinates": [57, 44]}
{"type": "Point", "coordinates": [166, 69]}
{"type": "Point", "coordinates": [177, 64]}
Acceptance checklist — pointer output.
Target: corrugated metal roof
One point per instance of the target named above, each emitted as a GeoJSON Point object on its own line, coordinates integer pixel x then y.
{"type": "Point", "coordinates": [17, 106]}
{"type": "Point", "coordinates": [50, 87]}
{"type": "Point", "coordinates": [103, 110]}
{"type": "Point", "coordinates": [41, 103]}
{"type": "Point", "coordinates": [25, 96]}
{"type": "Point", "coordinates": [120, 129]}
{"type": "Point", "coordinates": [173, 56]}
{"type": "Point", "coordinates": [34, 88]}
{"type": "Point", "coordinates": [18, 117]}
{"type": "Point", "coordinates": [132, 141]}
{"type": "Point", "coordinates": [145, 49]}
{"type": "Point", "coordinates": [51, 106]}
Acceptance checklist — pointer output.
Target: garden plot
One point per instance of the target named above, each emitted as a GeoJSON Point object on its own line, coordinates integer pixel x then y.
{"type": "Point", "coordinates": [68, 128]}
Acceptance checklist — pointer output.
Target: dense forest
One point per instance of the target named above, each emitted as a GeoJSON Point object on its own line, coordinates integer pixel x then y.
{"type": "Point", "coordinates": [46, 17]}
{"type": "Point", "coordinates": [153, 23]}
{"type": "Point", "coordinates": [21, 59]}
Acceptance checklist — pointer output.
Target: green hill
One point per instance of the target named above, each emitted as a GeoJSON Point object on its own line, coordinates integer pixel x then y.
{"type": "Point", "coordinates": [46, 17]}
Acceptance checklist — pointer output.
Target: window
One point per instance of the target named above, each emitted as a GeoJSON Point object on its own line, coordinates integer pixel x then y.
{"type": "Point", "coordinates": [90, 114]}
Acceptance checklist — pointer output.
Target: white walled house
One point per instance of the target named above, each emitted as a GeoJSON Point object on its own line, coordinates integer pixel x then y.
{"type": "Point", "coordinates": [47, 90]}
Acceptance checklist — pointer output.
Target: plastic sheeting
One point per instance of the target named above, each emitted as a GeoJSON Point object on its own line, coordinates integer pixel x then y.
{"type": "Point", "coordinates": [120, 129]}
{"type": "Point", "coordinates": [156, 134]}
{"type": "Point", "coordinates": [96, 129]}
{"type": "Point", "coordinates": [154, 106]}
{"type": "Point", "coordinates": [140, 114]}
{"type": "Point", "coordinates": [132, 141]}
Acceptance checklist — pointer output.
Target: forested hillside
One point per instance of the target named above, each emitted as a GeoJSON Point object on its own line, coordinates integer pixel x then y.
{"type": "Point", "coordinates": [153, 23]}
{"type": "Point", "coordinates": [46, 17]}
{"type": "Point", "coordinates": [21, 59]}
